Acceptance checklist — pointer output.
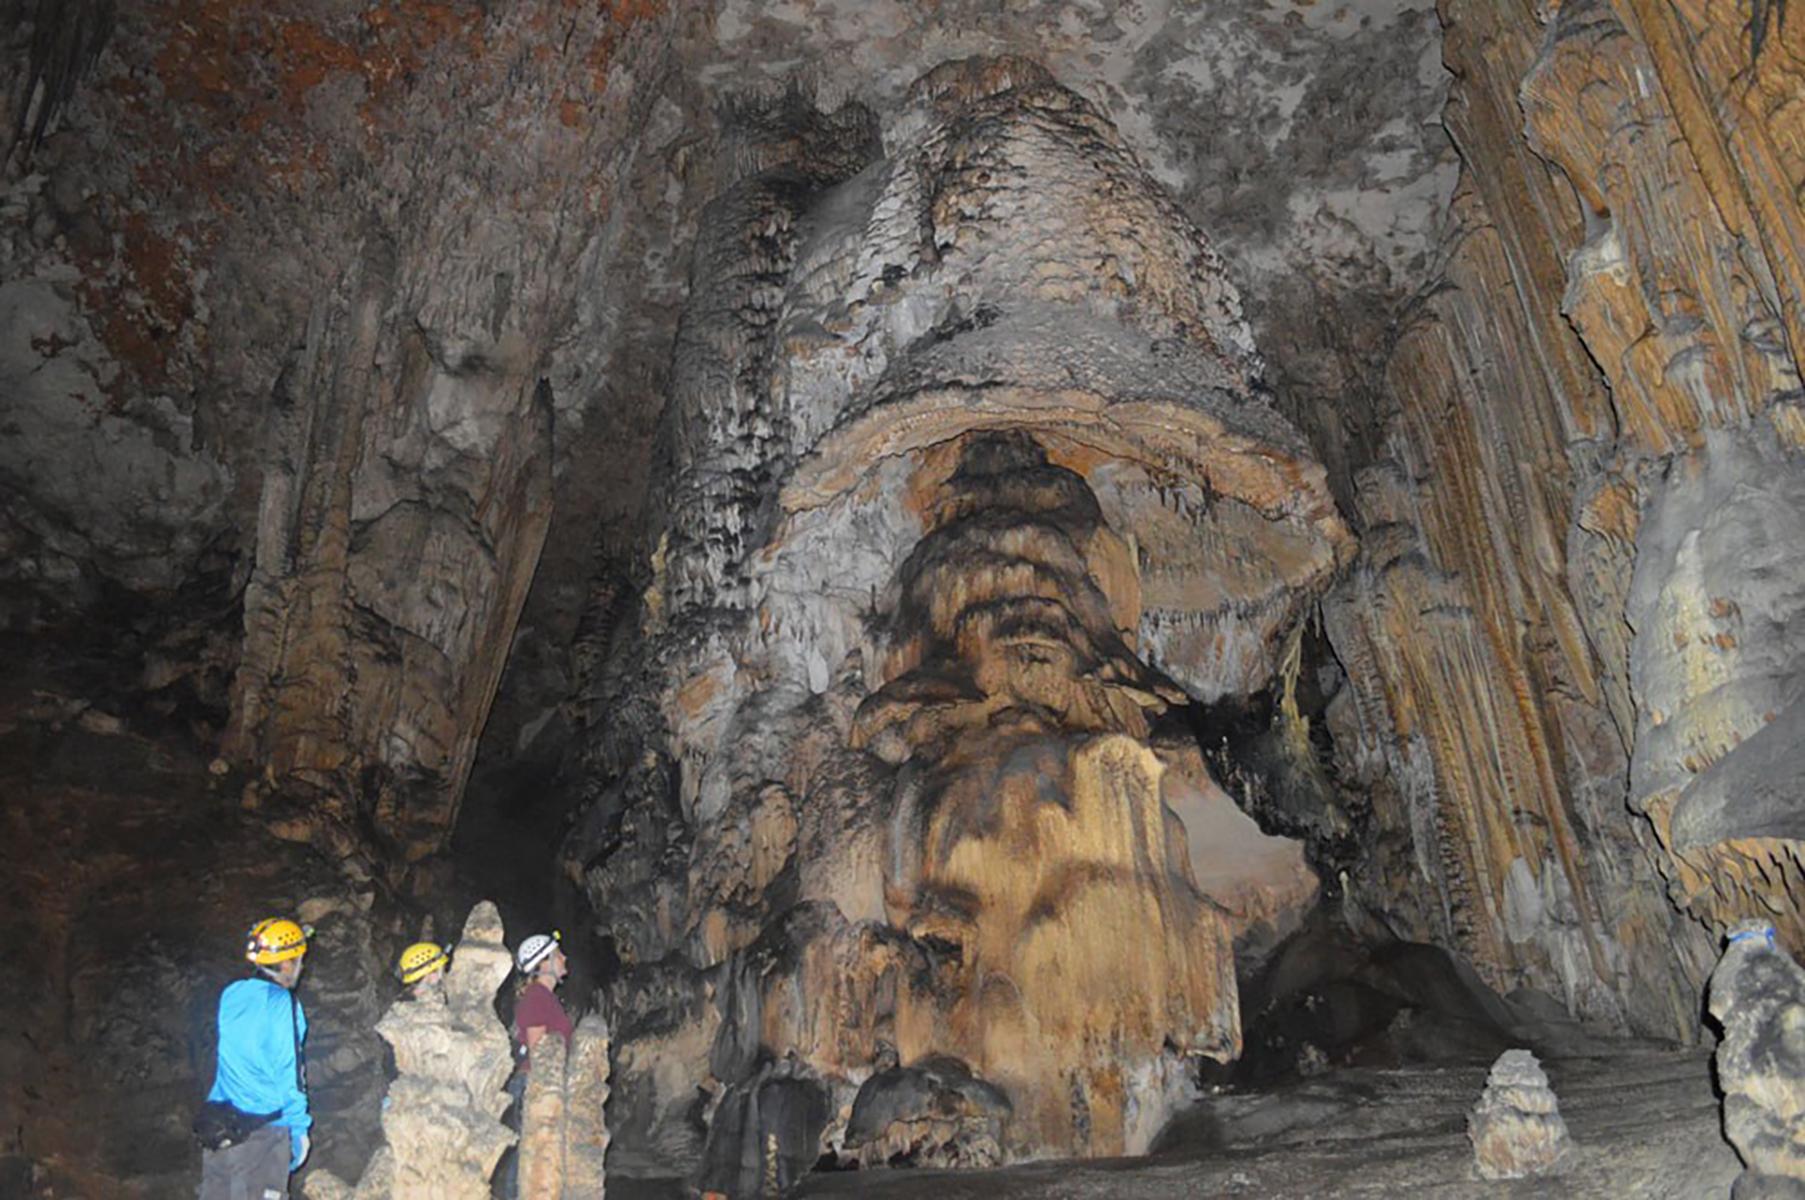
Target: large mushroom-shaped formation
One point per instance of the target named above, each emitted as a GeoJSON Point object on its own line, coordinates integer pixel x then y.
{"type": "Point", "coordinates": [973, 493]}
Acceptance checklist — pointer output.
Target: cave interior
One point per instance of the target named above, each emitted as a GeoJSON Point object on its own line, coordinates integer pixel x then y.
{"type": "Point", "coordinates": [1082, 598]}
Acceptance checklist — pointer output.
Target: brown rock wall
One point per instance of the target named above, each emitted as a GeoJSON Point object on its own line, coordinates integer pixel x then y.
{"type": "Point", "coordinates": [407, 483]}
{"type": "Point", "coordinates": [1619, 285]}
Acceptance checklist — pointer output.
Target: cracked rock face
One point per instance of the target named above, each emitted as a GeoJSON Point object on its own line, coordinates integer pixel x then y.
{"type": "Point", "coordinates": [923, 692]}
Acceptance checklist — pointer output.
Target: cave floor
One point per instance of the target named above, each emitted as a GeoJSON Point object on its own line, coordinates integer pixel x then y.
{"type": "Point", "coordinates": [1644, 1122]}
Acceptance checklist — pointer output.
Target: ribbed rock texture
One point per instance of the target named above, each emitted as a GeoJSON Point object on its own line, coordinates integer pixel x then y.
{"type": "Point", "coordinates": [406, 478]}
{"type": "Point", "coordinates": [310, 384]}
{"type": "Point", "coordinates": [1575, 582]}
{"type": "Point", "coordinates": [1757, 995]}
{"type": "Point", "coordinates": [969, 482]}
{"type": "Point", "coordinates": [1516, 1128]}
{"type": "Point", "coordinates": [441, 1123]}
{"type": "Point", "coordinates": [563, 1130]}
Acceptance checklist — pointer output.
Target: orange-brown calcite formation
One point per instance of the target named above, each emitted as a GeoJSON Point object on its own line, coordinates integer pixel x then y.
{"type": "Point", "coordinates": [1036, 843]}
{"type": "Point", "coordinates": [923, 711]}
{"type": "Point", "coordinates": [1575, 519]}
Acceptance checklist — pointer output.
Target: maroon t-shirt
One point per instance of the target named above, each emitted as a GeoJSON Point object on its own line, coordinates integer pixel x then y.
{"type": "Point", "coordinates": [538, 1008]}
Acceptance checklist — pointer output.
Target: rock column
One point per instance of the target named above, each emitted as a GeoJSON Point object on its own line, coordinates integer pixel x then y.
{"type": "Point", "coordinates": [1757, 994]}
{"type": "Point", "coordinates": [972, 489]}
{"type": "Point", "coordinates": [563, 1136]}
{"type": "Point", "coordinates": [442, 1120]}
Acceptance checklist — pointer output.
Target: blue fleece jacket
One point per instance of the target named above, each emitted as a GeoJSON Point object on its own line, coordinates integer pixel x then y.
{"type": "Point", "coordinates": [259, 1034]}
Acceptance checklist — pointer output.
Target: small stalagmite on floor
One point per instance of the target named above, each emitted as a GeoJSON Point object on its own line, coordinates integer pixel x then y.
{"type": "Point", "coordinates": [442, 1122]}
{"type": "Point", "coordinates": [1517, 1130]}
{"type": "Point", "coordinates": [1757, 994]}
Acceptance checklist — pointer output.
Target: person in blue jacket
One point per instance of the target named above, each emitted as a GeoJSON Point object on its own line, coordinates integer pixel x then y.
{"type": "Point", "coordinates": [261, 1072]}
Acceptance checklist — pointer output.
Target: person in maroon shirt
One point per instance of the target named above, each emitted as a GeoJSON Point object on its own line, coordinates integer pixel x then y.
{"type": "Point", "coordinates": [538, 1011]}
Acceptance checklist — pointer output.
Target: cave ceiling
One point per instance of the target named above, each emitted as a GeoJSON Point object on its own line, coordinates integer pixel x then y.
{"type": "Point", "coordinates": [227, 168]}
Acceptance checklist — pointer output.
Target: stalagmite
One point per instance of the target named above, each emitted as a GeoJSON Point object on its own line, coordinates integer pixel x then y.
{"type": "Point", "coordinates": [1517, 1130]}
{"type": "Point", "coordinates": [442, 1119]}
{"type": "Point", "coordinates": [563, 1135]}
{"type": "Point", "coordinates": [925, 718]}
{"type": "Point", "coordinates": [1757, 994]}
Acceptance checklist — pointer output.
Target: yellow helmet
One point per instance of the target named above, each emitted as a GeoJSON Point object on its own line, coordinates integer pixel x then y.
{"type": "Point", "coordinates": [420, 960]}
{"type": "Point", "coordinates": [274, 940]}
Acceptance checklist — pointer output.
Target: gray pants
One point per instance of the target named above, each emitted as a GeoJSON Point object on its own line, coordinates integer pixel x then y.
{"type": "Point", "coordinates": [254, 1169]}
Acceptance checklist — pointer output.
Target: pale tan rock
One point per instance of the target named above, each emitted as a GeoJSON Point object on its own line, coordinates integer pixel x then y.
{"type": "Point", "coordinates": [542, 1111]}
{"type": "Point", "coordinates": [442, 1120]}
{"type": "Point", "coordinates": [1517, 1130]}
{"type": "Point", "coordinates": [586, 1136]}
{"type": "Point", "coordinates": [563, 1133]}
{"type": "Point", "coordinates": [1031, 502]}
{"type": "Point", "coordinates": [1617, 310]}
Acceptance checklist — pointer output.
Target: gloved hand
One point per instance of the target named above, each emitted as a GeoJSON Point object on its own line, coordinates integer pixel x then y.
{"type": "Point", "coordinates": [298, 1144]}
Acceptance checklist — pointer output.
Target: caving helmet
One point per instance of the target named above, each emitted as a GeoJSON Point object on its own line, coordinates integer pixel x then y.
{"type": "Point", "coordinates": [420, 960]}
{"type": "Point", "coordinates": [535, 950]}
{"type": "Point", "coordinates": [276, 940]}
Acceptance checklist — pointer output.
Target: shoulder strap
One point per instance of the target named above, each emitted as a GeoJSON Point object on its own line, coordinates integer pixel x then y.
{"type": "Point", "coordinates": [294, 1023]}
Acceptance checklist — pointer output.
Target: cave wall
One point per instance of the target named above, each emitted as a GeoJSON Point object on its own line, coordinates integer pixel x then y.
{"type": "Point", "coordinates": [282, 285]}
{"type": "Point", "coordinates": [347, 242]}
{"type": "Point", "coordinates": [284, 288]}
{"type": "Point", "coordinates": [1574, 592]}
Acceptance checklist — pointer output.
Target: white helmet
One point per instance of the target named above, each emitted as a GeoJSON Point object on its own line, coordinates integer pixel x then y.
{"type": "Point", "coordinates": [535, 950]}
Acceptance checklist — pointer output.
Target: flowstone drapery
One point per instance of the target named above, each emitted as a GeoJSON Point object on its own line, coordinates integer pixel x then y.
{"type": "Point", "coordinates": [972, 491]}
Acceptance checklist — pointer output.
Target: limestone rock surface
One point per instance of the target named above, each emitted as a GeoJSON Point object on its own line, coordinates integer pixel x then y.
{"type": "Point", "coordinates": [441, 1121]}
{"type": "Point", "coordinates": [920, 690]}
{"type": "Point", "coordinates": [1757, 995]}
{"type": "Point", "coordinates": [934, 1114]}
{"type": "Point", "coordinates": [1516, 1129]}
{"type": "Point", "coordinates": [563, 1131]}
{"type": "Point", "coordinates": [1594, 448]}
